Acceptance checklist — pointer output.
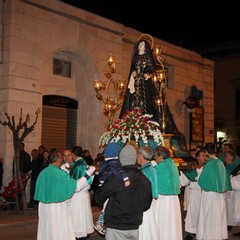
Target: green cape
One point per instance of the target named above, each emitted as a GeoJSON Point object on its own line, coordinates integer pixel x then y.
{"type": "Point", "coordinates": [168, 177]}
{"type": "Point", "coordinates": [191, 174]}
{"type": "Point", "coordinates": [151, 174]}
{"type": "Point", "coordinates": [54, 185]}
{"type": "Point", "coordinates": [214, 177]}
{"type": "Point", "coordinates": [79, 170]}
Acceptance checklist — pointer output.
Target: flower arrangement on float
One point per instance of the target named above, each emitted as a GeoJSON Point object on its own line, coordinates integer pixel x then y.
{"type": "Point", "coordinates": [133, 126]}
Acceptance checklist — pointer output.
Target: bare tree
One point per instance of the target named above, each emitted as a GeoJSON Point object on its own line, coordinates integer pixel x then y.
{"type": "Point", "coordinates": [19, 131]}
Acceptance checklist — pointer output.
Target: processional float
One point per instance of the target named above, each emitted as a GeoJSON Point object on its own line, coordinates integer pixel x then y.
{"type": "Point", "coordinates": [136, 125]}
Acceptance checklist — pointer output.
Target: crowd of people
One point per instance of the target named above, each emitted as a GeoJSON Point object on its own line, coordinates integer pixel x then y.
{"type": "Point", "coordinates": [39, 158]}
{"type": "Point", "coordinates": [64, 201]}
{"type": "Point", "coordinates": [138, 189]}
{"type": "Point", "coordinates": [212, 204]}
{"type": "Point", "coordinates": [211, 193]}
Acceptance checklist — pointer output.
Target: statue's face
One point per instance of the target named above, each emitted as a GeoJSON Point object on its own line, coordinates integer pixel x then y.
{"type": "Point", "coordinates": [141, 47]}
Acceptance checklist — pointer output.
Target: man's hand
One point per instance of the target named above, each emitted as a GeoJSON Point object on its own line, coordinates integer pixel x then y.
{"type": "Point", "coordinates": [90, 170]}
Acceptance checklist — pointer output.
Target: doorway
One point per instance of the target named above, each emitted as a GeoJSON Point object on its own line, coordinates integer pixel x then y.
{"type": "Point", "coordinates": [59, 122]}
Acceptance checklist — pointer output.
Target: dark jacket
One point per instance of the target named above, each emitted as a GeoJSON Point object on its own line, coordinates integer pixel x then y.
{"type": "Point", "coordinates": [25, 162]}
{"type": "Point", "coordinates": [107, 167]}
{"type": "Point", "coordinates": [88, 160]}
{"type": "Point", "coordinates": [36, 167]}
{"type": "Point", "coordinates": [124, 210]}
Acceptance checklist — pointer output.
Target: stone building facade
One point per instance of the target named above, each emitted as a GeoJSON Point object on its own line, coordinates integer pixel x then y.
{"type": "Point", "coordinates": [34, 33]}
{"type": "Point", "coordinates": [227, 99]}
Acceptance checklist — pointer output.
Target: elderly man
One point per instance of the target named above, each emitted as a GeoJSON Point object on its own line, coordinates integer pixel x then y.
{"type": "Point", "coordinates": [54, 188]}
{"type": "Point", "coordinates": [125, 207]}
{"type": "Point", "coordinates": [148, 228]}
{"type": "Point", "coordinates": [68, 160]}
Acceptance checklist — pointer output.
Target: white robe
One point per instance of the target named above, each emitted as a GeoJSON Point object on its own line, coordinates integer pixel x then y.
{"type": "Point", "coordinates": [169, 217]}
{"type": "Point", "coordinates": [65, 167]}
{"type": "Point", "coordinates": [81, 213]}
{"type": "Point", "coordinates": [191, 219]}
{"type": "Point", "coordinates": [212, 222]}
{"type": "Point", "coordinates": [184, 181]}
{"type": "Point", "coordinates": [235, 181]}
{"type": "Point", "coordinates": [192, 215]}
{"type": "Point", "coordinates": [148, 228]}
{"type": "Point", "coordinates": [230, 209]}
{"type": "Point", "coordinates": [54, 222]}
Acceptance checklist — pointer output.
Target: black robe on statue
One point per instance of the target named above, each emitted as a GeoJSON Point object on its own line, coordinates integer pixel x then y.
{"type": "Point", "coordinates": [144, 90]}
{"type": "Point", "coordinates": [140, 92]}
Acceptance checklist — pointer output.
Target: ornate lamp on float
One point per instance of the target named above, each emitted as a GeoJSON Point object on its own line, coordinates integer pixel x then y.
{"type": "Point", "coordinates": [160, 82]}
{"type": "Point", "coordinates": [110, 92]}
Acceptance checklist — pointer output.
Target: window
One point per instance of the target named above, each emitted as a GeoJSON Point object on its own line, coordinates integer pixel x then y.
{"type": "Point", "coordinates": [62, 68]}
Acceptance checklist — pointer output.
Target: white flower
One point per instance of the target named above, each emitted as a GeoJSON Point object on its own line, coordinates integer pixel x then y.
{"type": "Point", "coordinates": [133, 126]}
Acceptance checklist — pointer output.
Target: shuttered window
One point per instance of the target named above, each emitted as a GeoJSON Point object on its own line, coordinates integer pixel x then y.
{"type": "Point", "coordinates": [59, 127]}
{"type": "Point", "coordinates": [54, 126]}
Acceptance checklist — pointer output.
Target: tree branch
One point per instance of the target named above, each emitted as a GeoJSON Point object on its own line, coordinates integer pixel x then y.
{"type": "Point", "coordinates": [27, 130]}
{"type": "Point", "coordinates": [7, 123]}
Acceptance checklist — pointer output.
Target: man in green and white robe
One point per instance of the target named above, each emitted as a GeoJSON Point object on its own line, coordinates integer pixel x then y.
{"type": "Point", "coordinates": [168, 205]}
{"type": "Point", "coordinates": [54, 189]}
{"type": "Point", "coordinates": [215, 183]}
{"type": "Point", "coordinates": [80, 203]}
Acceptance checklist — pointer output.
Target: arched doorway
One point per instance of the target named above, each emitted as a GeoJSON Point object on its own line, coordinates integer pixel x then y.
{"type": "Point", "coordinates": [59, 122]}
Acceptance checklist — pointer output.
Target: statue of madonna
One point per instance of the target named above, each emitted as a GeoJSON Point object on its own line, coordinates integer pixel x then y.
{"type": "Point", "coordinates": [140, 91]}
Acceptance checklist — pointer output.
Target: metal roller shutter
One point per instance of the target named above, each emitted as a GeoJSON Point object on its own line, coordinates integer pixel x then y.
{"type": "Point", "coordinates": [54, 127]}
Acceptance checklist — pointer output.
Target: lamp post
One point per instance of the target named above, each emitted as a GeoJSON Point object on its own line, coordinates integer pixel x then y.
{"type": "Point", "coordinates": [110, 93]}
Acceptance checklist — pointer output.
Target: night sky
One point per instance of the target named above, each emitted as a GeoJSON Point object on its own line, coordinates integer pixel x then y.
{"type": "Point", "coordinates": [189, 24]}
